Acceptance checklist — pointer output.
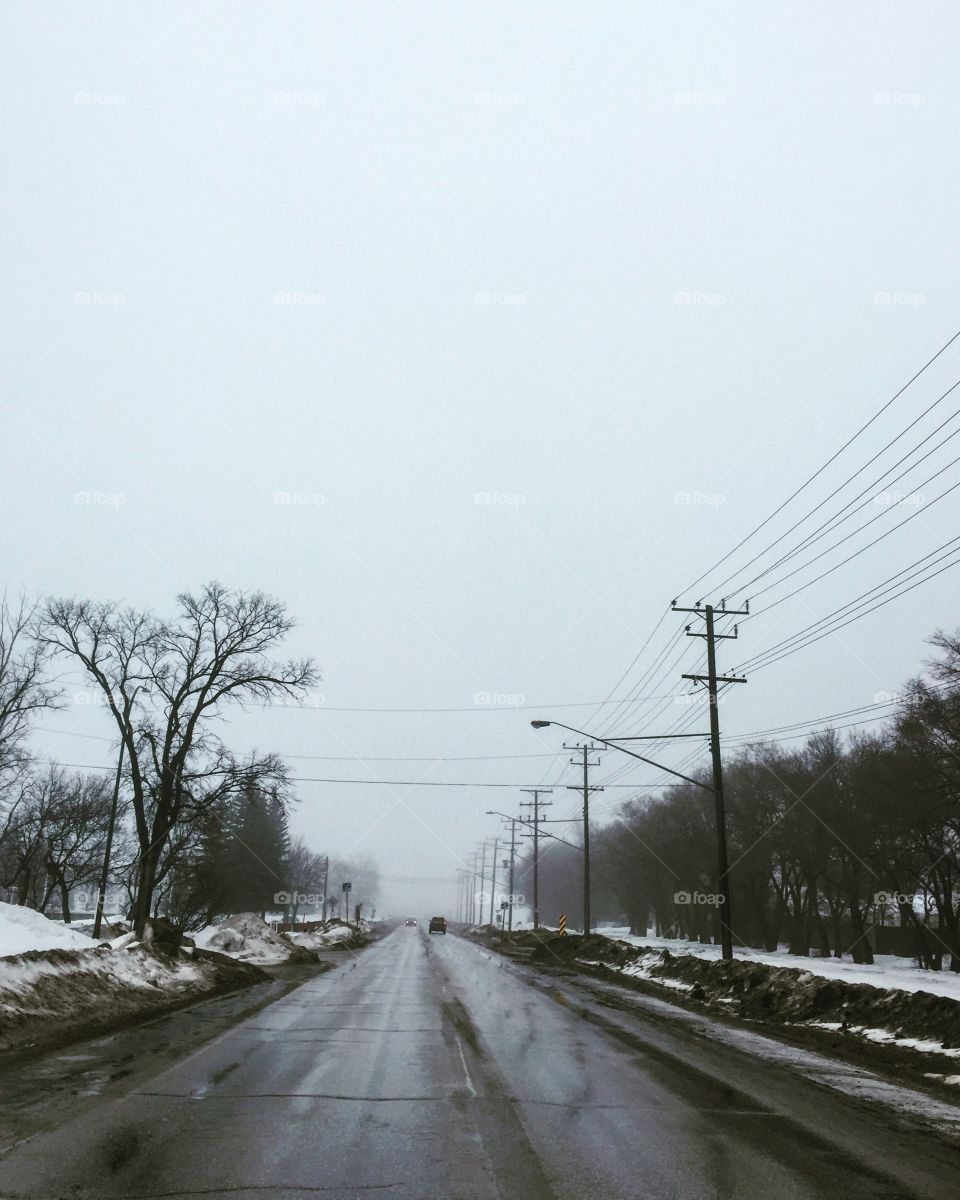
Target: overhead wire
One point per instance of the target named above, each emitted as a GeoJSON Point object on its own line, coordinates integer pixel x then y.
{"type": "Point", "coordinates": [829, 462]}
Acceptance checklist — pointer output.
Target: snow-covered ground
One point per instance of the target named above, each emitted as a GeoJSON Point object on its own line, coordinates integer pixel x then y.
{"type": "Point", "coordinates": [24, 929]}
{"type": "Point", "coordinates": [886, 972]}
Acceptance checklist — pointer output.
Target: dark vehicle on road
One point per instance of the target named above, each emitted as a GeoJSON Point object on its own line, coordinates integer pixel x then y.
{"type": "Point", "coordinates": [438, 924]}
{"type": "Point", "coordinates": [411, 921]}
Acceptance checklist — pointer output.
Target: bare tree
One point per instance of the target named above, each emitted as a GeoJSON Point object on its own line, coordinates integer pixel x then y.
{"type": "Point", "coordinates": [166, 683]}
{"type": "Point", "coordinates": [53, 840]}
{"type": "Point", "coordinates": [24, 689]}
{"type": "Point", "coordinates": [22, 841]}
{"type": "Point", "coordinates": [306, 872]}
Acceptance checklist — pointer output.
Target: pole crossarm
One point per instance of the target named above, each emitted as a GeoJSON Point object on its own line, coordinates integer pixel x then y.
{"type": "Point", "coordinates": [721, 611]}
{"type": "Point", "coordinates": [717, 679]}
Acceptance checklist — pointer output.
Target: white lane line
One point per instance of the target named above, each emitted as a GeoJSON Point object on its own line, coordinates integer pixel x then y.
{"type": "Point", "coordinates": [471, 1088]}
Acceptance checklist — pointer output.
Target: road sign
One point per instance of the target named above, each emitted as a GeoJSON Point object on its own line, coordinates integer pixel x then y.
{"type": "Point", "coordinates": [563, 924]}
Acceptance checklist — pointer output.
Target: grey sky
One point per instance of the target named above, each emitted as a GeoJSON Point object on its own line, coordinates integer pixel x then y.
{"type": "Point", "coordinates": [388, 260]}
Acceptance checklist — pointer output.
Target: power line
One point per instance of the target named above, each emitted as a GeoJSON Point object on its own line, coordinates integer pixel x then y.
{"type": "Point", "coordinates": [459, 783]}
{"type": "Point", "coordinates": [858, 617]}
{"type": "Point", "coordinates": [822, 720]}
{"type": "Point", "coordinates": [345, 757]}
{"type": "Point", "coordinates": [811, 537]}
{"type": "Point", "coordinates": [470, 708]}
{"type": "Point", "coordinates": [864, 597]}
{"type": "Point", "coordinates": [636, 659]}
{"type": "Point", "coordinates": [865, 525]}
{"type": "Point", "coordinates": [833, 523]}
{"type": "Point", "coordinates": [850, 558]}
{"type": "Point", "coordinates": [629, 699]}
{"type": "Point", "coordinates": [849, 442]}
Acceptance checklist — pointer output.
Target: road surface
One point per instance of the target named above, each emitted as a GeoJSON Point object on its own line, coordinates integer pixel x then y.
{"type": "Point", "coordinates": [431, 1069]}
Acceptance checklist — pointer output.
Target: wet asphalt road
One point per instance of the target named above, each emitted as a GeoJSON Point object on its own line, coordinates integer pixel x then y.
{"type": "Point", "coordinates": [431, 1069]}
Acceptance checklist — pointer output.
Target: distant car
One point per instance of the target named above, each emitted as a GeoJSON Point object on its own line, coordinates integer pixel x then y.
{"type": "Point", "coordinates": [438, 924]}
{"type": "Point", "coordinates": [411, 921]}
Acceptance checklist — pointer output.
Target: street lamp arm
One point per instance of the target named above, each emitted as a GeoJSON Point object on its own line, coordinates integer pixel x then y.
{"type": "Point", "coordinates": [492, 812]}
{"type": "Point", "coordinates": [623, 750]}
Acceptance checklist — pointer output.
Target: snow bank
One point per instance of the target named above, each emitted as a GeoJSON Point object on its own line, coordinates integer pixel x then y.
{"type": "Point", "coordinates": [63, 985]}
{"type": "Point", "coordinates": [787, 992]}
{"type": "Point", "coordinates": [24, 929]}
{"type": "Point", "coordinates": [334, 935]}
{"type": "Point", "coordinates": [248, 938]}
{"type": "Point", "coordinates": [887, 971]}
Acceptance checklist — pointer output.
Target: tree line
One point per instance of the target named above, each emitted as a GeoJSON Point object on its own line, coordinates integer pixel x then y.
{"type": "Point", "coordinates": [198, 831]}
{"type": "Point", "coordinates": [829, 842]}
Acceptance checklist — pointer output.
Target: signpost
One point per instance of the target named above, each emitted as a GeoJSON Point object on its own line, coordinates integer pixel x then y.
{"type": "Point", "coordinates": [563, 924]}
{"type": "Point", "coordinates": [346, 901]}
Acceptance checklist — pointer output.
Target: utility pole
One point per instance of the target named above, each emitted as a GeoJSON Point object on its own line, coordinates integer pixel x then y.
{"type": "Point", "coordinates": [483, 878]}
{"type": "Point", "coordinates": [711, 679]}
{"type": "Point", "coordinates": [584, 751]}
{"type": "Point", "coordinates": [467, 889]}
{"type": "Point", "coordinates": [475, 894]}
{"type": "Point", "coordinates": [506, 906]}
{"type": "Point", "coordinates": [536, 804]}
{"type": "Point", "coordinates": [493, 884]}
{"type": "Point", "coordinates": [513, 852]}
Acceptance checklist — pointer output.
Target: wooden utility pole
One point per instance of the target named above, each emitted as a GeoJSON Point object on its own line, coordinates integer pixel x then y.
{"type": "Point", "coordinates": [584, 751]}
{"type": "Point", "coordinates": [493, 882]}
{"type": "Point", "coordinates": [536, 804]}
{"type": "Point", "coordinates": [712, 679]}
{"type": "Point", "coordinates": [483, 879]}
{"type": "Point", "coordinates": [513, 854]}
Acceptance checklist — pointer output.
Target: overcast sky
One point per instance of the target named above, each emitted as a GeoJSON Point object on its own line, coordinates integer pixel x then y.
{"type": "Point", "coordinates": [475, 333]}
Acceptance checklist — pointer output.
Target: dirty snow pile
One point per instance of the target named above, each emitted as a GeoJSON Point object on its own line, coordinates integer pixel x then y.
{"type": "Point", "coordinates": [248, 938]}
{"type": "Point", "coordinates": [886, 971]}
{"type": "Point", "coordinates": [334, 935]}
{"type": "Point", "coordinates": [57, 984]}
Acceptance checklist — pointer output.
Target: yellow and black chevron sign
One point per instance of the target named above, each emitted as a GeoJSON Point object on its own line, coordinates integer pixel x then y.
{"type": "Point", "coordinates": [563, 924]}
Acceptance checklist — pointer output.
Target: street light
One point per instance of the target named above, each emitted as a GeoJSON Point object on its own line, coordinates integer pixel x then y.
{"type": "Point", "coordinates": [725, 921]}
{"type": "Point", "coordinates": [615, 745]}
{"type": "Point", "coordinates": [491, 812]}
